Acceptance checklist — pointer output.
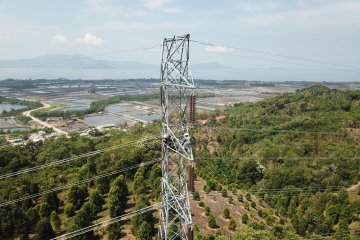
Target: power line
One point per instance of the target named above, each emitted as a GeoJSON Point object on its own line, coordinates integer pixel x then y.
{"type": "Point", "coordinates": [146, 48]}
{"type": "Point", "coordinates": [66, 160]}
{"type": "Point", "coordinates": [274, 54]}
{"type": "Point", "coordinates": [107, 222]}
{"type": "Point", "coordinates": [281, 157]}
{"type": "Point", "coordinates": [78, 183]}
{"type": "Point", "coordinates": [273, 130]}
{"type": "Point", "coordinates": [323, 235]}
{"type": "Point", "coordinates": [287, 62]}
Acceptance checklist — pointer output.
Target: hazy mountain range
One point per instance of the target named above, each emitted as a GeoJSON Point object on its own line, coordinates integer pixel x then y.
{"type": "Point", "coordinates": [78, 61]}
{"type": "Point", "coordinates": [82, 67]}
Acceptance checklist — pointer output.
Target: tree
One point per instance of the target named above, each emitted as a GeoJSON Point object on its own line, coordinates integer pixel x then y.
{"type": "Point", "coordinates": [154, 175]}
{"type": "Point", "coordinates": [13, 222]}
{"type": "Point", "coordinates": [156, 188]}
{"type": "Point", "coordinates": [137, 221]}
{"type": "Point", "coordinates": [139, 180]}
{"type": "Point", "coordinates": [102, 184]}
{"type": "Point", "coordinates": [117, 197]}
{"type": "Point", "coordinates": [250, 172]}
{"type": "Point", "coordinates": [114, 231]}
{"type": "Point", "coordinates": [278, 232]}
{"type": "Point", "coordinates": [44, 210]}
{"type": "Point", "coordinates": [69, 210]}
{"type": "Point", "coordinates": [144, 232]}
{"type": "Point", "coordinates": [55, 221]}
{"type": "Point", "coordinates": [33, 217]}
{"type": "Point", "coordinates": [83, 219]}
{"type": "Point", "coordinates": [77, 195]}
{"type": "Point", "coordinates": [43, 230]}
{"type": "Point", "coordinates": [97, 200]}
{"type": "Point", "coordinates": [226, 213]}
{"type": "Point", "coordinates": [333, 213]}
{"type": "Point", "coordinates": [212, 221]}
{"type": "Point", "coordinates": [52, 200]}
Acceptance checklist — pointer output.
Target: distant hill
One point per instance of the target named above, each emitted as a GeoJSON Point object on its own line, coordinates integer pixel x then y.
{"type": "Point", "coordinates": [83, 67]}
{"type": "Point", "coordinates": [75, 61]}
{"type": "Point", "coordinates": [210, 65]}
{"type": "Point", "coordinates": [78, 61]}
{"type": "Point", "coordinates": [77, 66]}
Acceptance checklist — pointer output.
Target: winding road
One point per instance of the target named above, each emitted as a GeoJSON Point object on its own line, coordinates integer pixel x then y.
{"type": "Point", "coordinates": [46, 105]}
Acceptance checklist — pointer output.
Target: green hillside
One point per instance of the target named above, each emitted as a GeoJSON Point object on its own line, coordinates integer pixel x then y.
{"type": "Point", "coordinates": [90, 189]}
{"type": "Point", "coordinates": [299, 152]}
{"type": "Point", "coordinates": [289, 163]}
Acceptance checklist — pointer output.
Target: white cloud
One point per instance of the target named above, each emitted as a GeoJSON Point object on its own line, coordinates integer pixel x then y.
{"type": "Point", "coordinates": [218, 49]}
{"type": "Point", "coordinates": [59, 39]}
{"type": "Point", "coordinates": [90, 40]}
{"type": "Point", "coordinates": [155, 3]}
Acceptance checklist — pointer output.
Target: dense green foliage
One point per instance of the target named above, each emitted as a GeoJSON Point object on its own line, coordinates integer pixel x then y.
{"type": "Point", "coordinates": [80, 205]}
{"type": "Point", "coordinates": [295, 151]}
{"type": "Point", "coordinates": [302, 172]}
{"type": "Point", "coordinates": [143, 225]}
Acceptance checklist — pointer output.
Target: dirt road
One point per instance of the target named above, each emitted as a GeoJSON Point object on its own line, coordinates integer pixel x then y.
{"type": "Point", "coordinates": [46, 105]}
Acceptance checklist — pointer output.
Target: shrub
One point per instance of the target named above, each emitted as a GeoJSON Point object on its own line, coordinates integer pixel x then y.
{"type": "Point", "coordinates": [207, 189]}
{"type": "Point", "coordinates": [207, 211]}
{"type": "Point", "coordinates": [196, 196]}
{"type": "Point", "coordinates": [212, 221]}
{"type": "Point", "coordinates": [257, 225]}
{"type": "Point", "coordinates": [231, 200]}
{"type": "Point", "coordinates": [262, 214]}
{"type": "Point", "coordinates": [248, 197]}
{"type": "Point", "coordinates": [212, 184]}
{"type": "Point", "coordinates": [69, 210]}
{"type": "Point", "coordinates": [270, 220]}
{"type": "Point", "coordinates": [226, 213]}
{"type": "Point", "coordinates": [240, 198]}
{"type": "Point", "coordinates": [201, 204]}
{"type": "Point", "coordinates": [245, 219]}
{"type": "Point", "coordinates": [232, 225]}
{"type": "Point", "coordinates": [246, 206]}
{"type": "Point", "coordinates": [224, 193]}
{"type": "Point", "coordinates": [253, 204]}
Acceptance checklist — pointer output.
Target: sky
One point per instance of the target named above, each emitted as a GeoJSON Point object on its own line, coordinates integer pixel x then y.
{"type": "Point", "coordinates": [246, 34]}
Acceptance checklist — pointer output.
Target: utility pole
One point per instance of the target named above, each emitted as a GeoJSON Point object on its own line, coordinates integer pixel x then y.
{"type": "Point", "coordinates": [178, 108]}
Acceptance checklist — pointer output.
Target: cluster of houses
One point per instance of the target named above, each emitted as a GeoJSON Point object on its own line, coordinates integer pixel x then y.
{"type": "Point", "coordinates": [40, 136]}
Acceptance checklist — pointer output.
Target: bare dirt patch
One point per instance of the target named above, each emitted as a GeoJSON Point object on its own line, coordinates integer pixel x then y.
{"type": "Point", "coordinates": [217, 203]}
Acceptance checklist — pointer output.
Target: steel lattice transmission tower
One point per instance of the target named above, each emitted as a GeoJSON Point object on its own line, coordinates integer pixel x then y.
{"type": "Point", "coordinates": [178, 108]}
